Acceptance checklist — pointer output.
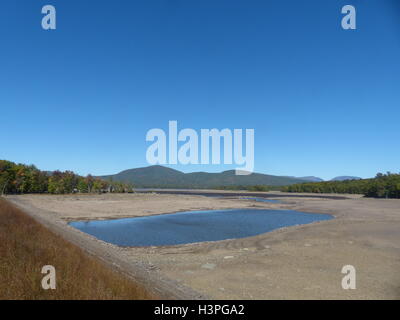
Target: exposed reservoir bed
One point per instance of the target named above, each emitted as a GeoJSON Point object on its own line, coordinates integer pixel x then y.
{"type": "Point", "coordinates": [240, 194]}
{"type": "Point", "coordinates": [263, 200]}
{"type": "Point", "coordinates": [193, 226]}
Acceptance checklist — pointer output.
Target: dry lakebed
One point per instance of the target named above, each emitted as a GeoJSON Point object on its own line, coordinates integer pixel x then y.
{"type": "Point", "coordinates": [296, 262]}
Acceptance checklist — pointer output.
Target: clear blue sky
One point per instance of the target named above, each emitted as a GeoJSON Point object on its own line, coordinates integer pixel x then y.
{"type": "Point", "coordinates": [323, 101]}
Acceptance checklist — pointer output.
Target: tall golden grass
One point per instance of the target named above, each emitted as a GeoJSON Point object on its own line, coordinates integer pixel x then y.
{"type": "Point", "coordinates": [26, 246]}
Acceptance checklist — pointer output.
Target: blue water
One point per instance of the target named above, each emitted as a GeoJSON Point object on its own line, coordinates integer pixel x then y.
{"type": "Point", "coordinates": [193, 226]}
{"type": "Point", "coordinates": [263, 200]}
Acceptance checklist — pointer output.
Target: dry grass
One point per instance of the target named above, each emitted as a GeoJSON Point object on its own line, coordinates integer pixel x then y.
{"type": "Point", "coordinates": [26, 246]}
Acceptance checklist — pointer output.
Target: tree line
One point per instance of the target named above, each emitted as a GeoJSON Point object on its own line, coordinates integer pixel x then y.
{"type": "Point", "coordinates": [20, 178]}
{"type": "Point", "coordinates": [382, 186]}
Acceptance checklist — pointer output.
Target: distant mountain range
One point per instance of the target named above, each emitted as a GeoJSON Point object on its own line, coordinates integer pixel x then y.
{"type": "Point", "coordinates": [343, 178]}
{"type": "Point", "coordinates": [311, 179]}
{"type": "Point", "coordinates": [163, 177]}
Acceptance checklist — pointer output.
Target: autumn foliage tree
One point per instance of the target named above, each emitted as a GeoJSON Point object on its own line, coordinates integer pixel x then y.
{"type": "Point", "coordinates": [20, 178]}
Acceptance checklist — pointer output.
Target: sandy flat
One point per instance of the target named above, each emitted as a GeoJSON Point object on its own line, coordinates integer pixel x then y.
{"type": "Point", "coordinates": [301, 262]}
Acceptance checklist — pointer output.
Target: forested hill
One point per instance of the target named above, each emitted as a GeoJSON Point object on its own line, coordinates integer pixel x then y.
{"type": "Point", "coordinates": [382, 186]}
{"type": "Point", "coordinates": [20, 178]}
{"type": "Point", "coordinates": [163, 177]}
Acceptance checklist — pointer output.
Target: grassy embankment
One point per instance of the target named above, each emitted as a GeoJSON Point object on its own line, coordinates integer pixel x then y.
{"type": "Point", "coordinates": [26, 246]}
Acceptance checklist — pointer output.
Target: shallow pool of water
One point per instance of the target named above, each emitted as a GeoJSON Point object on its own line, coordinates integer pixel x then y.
{"type": "Point", "coordinates": [263, 200]}
{"type": "Point", "coordinates": [193, 226]}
